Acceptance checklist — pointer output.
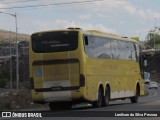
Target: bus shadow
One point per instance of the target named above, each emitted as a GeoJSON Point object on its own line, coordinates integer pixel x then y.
{"type": "Point", "coordinates": [89, 106]}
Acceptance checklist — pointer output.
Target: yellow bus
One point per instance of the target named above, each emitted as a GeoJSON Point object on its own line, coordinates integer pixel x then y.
{"type": "Point", "coordinates": [72, 65]}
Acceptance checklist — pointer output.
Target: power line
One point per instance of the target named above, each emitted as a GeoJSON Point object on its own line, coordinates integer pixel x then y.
{"type": "Point", "coordinates": [16, 0]}
{"type": "Point", "coordinates": [54, 4]}
{"type": "Point", "coordinates": [19, 1]}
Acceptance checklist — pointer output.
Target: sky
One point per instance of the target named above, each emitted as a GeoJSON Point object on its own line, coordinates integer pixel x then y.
{"type": "Point", "coordinates": [133, 18]}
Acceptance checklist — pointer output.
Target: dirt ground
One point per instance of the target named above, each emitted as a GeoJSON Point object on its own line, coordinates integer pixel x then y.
{"type": "Point", "coordinates": [19, 101]}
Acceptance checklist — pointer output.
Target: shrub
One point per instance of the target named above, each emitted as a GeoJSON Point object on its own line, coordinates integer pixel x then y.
{"type": "Point", "coordinates": [3, 82]}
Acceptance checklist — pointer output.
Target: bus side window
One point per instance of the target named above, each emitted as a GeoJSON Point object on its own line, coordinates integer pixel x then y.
{"type": "Point", "coordinates": [86, 40]}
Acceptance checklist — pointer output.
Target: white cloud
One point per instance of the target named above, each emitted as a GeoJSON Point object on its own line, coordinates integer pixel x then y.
{"type": "Point", "coordinates": [121, 22]}
{"type": "Point", "coordinates": [84, 17]}
{"type": "Point", "coordinates": [130, 9]}
{"type": "Point", "coordinates": [89, 26]}
{"type": "Point", "coordinates": [63, 24]}
{"type": "Point", "coordinates": [147, 14]}
{"type": "Point", "coordinates": [123, 6]}
{"type": "Point", "coordinates": [143, 13]}
{"type": "Point", "coordinates": [2, 6]}
{"type": "Point", "coordinates": [105, 16]}
{"type": "Point", "coordinates": [118, 14]}
{"type": "Point", "coordinates": [103, 28]}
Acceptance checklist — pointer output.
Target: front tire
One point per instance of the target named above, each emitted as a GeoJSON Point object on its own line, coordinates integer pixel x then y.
{"type": "Point", "coordinates": [135, 98]}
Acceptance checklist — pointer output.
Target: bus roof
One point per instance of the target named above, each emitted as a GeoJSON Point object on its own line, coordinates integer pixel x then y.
{"type": "Point", "coordinates": [94, 32]}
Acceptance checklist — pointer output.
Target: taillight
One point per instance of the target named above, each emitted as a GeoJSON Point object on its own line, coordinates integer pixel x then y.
{"type": "Point", "coordinates": [82, 80]}
{"type": "Point", "coordinates": [31, 83]}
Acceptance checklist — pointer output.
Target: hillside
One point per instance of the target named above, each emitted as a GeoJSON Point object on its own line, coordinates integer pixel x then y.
{"type": "Point", "coordinates": [5, 36]}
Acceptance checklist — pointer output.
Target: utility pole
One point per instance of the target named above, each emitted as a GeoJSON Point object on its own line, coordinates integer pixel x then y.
{"type": "Point", "coordinates": [155, 33]}
{"type": "Point", "coordinates": [17, 59]}
{"type": "Point", "coordinates": [11, 80]}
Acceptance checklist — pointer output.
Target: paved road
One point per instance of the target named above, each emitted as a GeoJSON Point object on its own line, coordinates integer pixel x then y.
{"type": "Point", "coordinates": [149, 103]}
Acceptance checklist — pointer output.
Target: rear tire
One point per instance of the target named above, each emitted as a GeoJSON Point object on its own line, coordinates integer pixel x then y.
{"type": "Point", "coordinates": [99, 101]}
{"type": "Point", "coordinates": [106, 98]}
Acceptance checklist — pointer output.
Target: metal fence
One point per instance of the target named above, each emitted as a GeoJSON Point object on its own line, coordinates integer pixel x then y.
{"type": "Point", "coordinates": [7, 49]}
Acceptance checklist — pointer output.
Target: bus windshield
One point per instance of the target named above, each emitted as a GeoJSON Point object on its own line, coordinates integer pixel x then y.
{"type": "Point", "coordinates": [58, 41]}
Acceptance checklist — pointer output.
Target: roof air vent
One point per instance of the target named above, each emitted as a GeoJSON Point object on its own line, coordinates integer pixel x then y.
{"type": "Point", "coordinates": [71, 28]}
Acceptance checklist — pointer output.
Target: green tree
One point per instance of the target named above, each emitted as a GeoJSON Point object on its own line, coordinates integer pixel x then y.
{"type": "Point", "coordinates": [153, 36]}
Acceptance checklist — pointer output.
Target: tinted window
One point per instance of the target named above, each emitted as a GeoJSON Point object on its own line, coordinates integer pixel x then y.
{"type": "Point", "coordinates": [128, 51]}
{"type": "Point", "coordinates": [103, 47]}
{"type": "Point", "coordinates": [98, 47]}
{"type": "Point", "coordinates": [54, 41]}
{"type": "Point", "coordinates": [90, 48]}
{"type": "Point", "coordinates": [133, 51]}
{"type": "Point", "coordinates": [114, 49]}
{"type": "Point", "coordinates": [121, 48]}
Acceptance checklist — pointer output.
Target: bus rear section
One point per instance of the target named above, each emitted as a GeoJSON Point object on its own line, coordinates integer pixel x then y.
{"type": "Point", "coordinates": [55, 68]}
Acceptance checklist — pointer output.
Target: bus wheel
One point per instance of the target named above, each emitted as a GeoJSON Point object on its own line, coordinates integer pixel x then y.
{"type": "Point", "coordinates": [98, 102]}
{"type": "Point", "coordinates": [106, 97]}
{"type": "Point", "coordinates": [135, 98]}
